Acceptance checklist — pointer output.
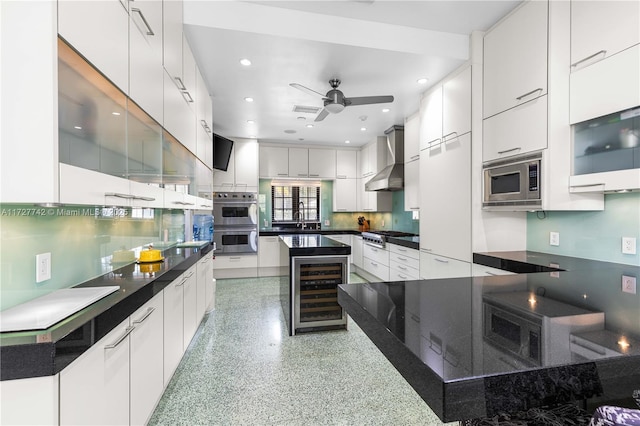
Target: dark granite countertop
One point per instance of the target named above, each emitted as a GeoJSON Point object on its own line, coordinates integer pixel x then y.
{"type": "Point", "coordinates": [46, 352]}
{"type": "Point", "coordinates": [409, 242]}
{"type": "Point", "coordinates": [314, 245]}
{"type": "Point", "coordinates": [432, 331]}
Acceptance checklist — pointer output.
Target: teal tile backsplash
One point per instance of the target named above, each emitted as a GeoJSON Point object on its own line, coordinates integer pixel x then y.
{"type": "Point", "coordinates": [591, 235]}
{"type": "Point", "coordinates": [397, 219]}
{"type": "Point", "coordinates": [81, 240]}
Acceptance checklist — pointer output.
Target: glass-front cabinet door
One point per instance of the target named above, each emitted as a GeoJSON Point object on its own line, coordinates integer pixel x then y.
{"type": "Point", "coordinates": [144, 146]}
{"type": "Point", "coordinates": [178, 166]}
{"type": "Point", "coordinates": [92, 116]}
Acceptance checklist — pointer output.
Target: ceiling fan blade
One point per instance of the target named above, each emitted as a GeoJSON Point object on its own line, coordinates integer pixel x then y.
{"type": "Point", "coordinates": [365, 100]}
{"type": "Point", "coordinates": [323, 114]}
{"type": "Point", "coordinates": [307, 90]}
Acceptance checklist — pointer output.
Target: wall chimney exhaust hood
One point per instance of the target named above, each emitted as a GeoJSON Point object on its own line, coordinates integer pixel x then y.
{"type": "Point", "coordinates": [391, 178]}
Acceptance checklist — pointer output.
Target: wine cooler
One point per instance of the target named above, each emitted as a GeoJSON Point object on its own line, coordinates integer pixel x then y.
{"type": "Point", "coordinates": [315, 292]}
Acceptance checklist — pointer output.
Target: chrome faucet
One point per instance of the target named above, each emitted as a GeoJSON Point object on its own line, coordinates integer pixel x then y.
{"type": "Point", "coordinates": [300, 215]}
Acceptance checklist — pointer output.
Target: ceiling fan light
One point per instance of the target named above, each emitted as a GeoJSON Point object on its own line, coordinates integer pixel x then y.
{"type": "Point", "coordinates": [334, 108]}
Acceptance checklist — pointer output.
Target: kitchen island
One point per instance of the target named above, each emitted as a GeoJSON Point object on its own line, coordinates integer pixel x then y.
{"type": "Point", "coordinates": [437, 335]}
{"type": "Point", "coordinates": [317, 265]}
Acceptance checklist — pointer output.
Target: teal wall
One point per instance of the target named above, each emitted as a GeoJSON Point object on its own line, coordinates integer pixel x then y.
{"type": "Point", "coordinates": [397, 219]}
{"type": "Point", "coordinates": [591, 235]}
{"type": "Point", "coordinates": [81, 240]}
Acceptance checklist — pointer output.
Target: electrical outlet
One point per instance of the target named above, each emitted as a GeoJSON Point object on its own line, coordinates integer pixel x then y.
{"type": "Point", "coordinates": [629, 284]}
{"type": "Point", "coordinates": [43, 267]}
{"type": "Point", "coordinates": [628, 245]}
{"type": "Point", "coordinates": [554, 238]}
{"type": "Point", "coordinates": [327, 223]}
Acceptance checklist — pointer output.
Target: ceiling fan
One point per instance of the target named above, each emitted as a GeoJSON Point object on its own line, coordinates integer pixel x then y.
{"type": "Point", "coordinates": [335, 101]}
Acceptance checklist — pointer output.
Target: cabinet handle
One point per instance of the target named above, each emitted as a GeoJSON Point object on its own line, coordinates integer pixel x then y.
{"type": "Point", "coordinates": [431, 142]}
{"type": "Point", "coordinates": [146, 24]}
{"type": "Point", "coordinates": [374, 264]}
{"type": "Point", "coordinates": [127, 331]}
{"type": "Point", "coordinates": [283, 174]}
{"type": "Point", "coordinates": [444, 138]}
{"type": "Point", "coordinates": [140, 197]}
{"type": "Point", "coordinates": [426, 249]}
{"type": "Point", "coordinates": [509, 150]}
{"type": "Point", "coordinates": [313, 175]}
{"type": "Point", "coordinates": [490, 273]}
{"type": "Point", "coordinates": [187, 97]}
{"type": "Point", "coordinates": [118, 195]}
{"type": "Point", "coordinates": [181, 86]}
{"type": "Point", "coordinates": [184, 280]}
{"type": "Point", "coordinates": [441, 260]}
{"type": "Point", "coordinates": [404, 277]}
{"type": "Point", "coordinates": [402, 250]}
{"type": "Point", "coordinates": [414, 157]}
{"type": "Point", "coordinates": [235, 258]}
{"type": "Point", "coordinates": [341, 176]}
{"type": "Point", "coordinates": [190, 275]}
{"type": "Point", "coordinates": [402, 267]}
{"type": "Point", "coordinates": [145, 316]}
{"type": "Point", "coordinates": [414, 208]}
{"type": "Point", "coordinates": [539, 89]}
{"type": "Point", "coordinates": [601, 52]}
{"type": "Point", "coordinates": [185, 203]}
{"type": "Point", "coordinates": [341, 210]}
{"type": "Point", "coordinates": [404, 259]}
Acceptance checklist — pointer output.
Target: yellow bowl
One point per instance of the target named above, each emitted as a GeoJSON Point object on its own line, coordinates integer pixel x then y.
{"type": "Point", "coordinates": [150, 256]}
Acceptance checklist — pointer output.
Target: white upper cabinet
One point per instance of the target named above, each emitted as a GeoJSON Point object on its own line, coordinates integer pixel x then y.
{"type": "Point", "coordinates": [179, 119]}
{"type": "Point", "coordinates": [242, 173]}
{"type": "Point", "coordinates": [601, 29]}
{"type": "Point", "coordinates": [456, 105]}
{"type": "Point", "coordinates": [373, 157]}
{"type": "Point", "coordinates": [605, 58]}
{"type": "Point", "coordinates": [172, 37]}
{"type": "Point", "coordinates": [322, 163]}
{"type": "Point", "coordinates": [346, 164]}
{"type": "Point", "coordinates": [412, 186]}
{"type": "Point", "coordinates": [412, 138]}
{"type": "Point", "coordinates": [99, 30]}
{"type": "Point", "coordinates": [274, 161]}
{"type": "Point", "coordinates": [204, 123]}
{"type": "Point", "coordinates": [431, 118]}
{"type": "Point", "coordinates": [298, 162]}
{"type": "Point", "coordinates": [445, 169]}
{"type": "Point", "coordinates": [515, 58]}
{"type": "Point", "coordinates": [344, 191]}
{"type": "Point", "coordinates": [188, 75]}
{"type": "Point", "coordinates": [145, 48]}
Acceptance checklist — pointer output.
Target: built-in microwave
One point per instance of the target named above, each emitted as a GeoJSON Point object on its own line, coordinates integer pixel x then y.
{"type": "Point", "coordinates": [513, 184]}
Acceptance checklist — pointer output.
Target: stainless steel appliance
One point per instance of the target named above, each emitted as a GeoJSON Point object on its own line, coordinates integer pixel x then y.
{"type": "Point", "coordinates": [236, 222]}
{"type": "Point", "coordinates": [391, 178]}
{"type": "Point", "coordinates": [529, 330]}
{"type": "Point", "coordinates": [513, 184]}
{"type": "Point", "coordinates": [235, 209]}
{"type": "Point", "coordinates": [315, 292]}
{"type": "Point", "coordinates": [235, 240]}
{"type": "Point", "coordinates": [379, 238]}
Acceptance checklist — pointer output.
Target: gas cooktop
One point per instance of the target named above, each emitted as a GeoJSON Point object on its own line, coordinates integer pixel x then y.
{"type": "Point", "coordinates": [379, 238]}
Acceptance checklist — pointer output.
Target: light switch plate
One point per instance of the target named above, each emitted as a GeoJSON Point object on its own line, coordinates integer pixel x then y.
{"type": "Point", "coordinates": [554, 238]}
{"type": "Point", "coordinates": [629, 284]}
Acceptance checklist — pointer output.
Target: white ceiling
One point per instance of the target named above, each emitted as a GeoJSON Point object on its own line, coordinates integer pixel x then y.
{"type": "Point", "coordinates": [375, 47]}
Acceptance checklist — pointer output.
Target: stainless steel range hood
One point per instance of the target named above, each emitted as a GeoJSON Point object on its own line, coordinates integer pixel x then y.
{"type": "Point", "coordinates": [391, 178]}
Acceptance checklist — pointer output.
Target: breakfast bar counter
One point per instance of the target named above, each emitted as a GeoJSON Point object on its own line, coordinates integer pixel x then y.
{"type": "Point", "coordinates": [450, 340]}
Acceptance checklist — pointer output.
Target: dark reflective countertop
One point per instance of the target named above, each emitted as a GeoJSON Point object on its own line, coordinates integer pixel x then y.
{"type": "Point", "coordinates": [433, 331]}
{"type": "Point", "coordinates": [46, 352]}
{"type": "Point", "coordinates": [314, 244]}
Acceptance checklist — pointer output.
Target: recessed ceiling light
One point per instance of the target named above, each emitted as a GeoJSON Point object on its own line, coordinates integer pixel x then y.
{"type": "Point", "coordinates": [115, 113]}
{"type": "Point", "coordinates": [385, 110]}
{"type": "Point", "coordinates": [77, 127]}
{"type": "Point", "coordinates": [250, 121]}
{"type": "Point", "coordinates": [245, 62]}
{"type": "Point", "coordinates": [302, 118]}
{"type": "Point", "coordinates": [309, 126]}
{"type": "Point", "coordinates": [248, 99]}
{"type": "Point", "coordinates": [362, 129]}
{"type": "Point", "coordinates": [422, 80]}
{"type": "Point", "coordinates": [347, 141]}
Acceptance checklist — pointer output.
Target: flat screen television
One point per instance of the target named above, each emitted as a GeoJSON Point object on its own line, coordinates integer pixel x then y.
{"type": "Point", "coordinates": [221, 152]}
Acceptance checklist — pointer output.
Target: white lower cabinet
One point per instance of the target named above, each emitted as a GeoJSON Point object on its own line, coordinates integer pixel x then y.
{"type": "Point", "coordinates": [434, 267]}
{"type": "Point", "coordinates": [190, 289]}
{"type": "Point", "coordinates": [375, 262]}
{"type": "Point", "coordinates": [204, 271]}
{"type": "Point", "coordinates": [173, 327]}
{"type": "Point", "coordinates": [94, 389]}
{"type": "Point", "coordinates": [19, 397]}
{"type": "Point", "coordinates": [235, 266]}
{"type": "Point", "coordinates": [146, 366]}
{"type": "Point", "coordinates": [357, 249]}
{"type": "Point", "coordinates": [404, 263]}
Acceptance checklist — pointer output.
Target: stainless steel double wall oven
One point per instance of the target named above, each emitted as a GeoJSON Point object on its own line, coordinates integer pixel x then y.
{"type": "Point", "coordinates": [236, 222]}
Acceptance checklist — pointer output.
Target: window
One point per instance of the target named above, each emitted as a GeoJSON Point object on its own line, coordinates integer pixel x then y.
{"type": "Point", "coordinates": [291, 201]}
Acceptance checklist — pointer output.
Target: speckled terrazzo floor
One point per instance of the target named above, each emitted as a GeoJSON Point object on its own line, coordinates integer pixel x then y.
{"type": "Point", "coordinates": [243, 369]}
